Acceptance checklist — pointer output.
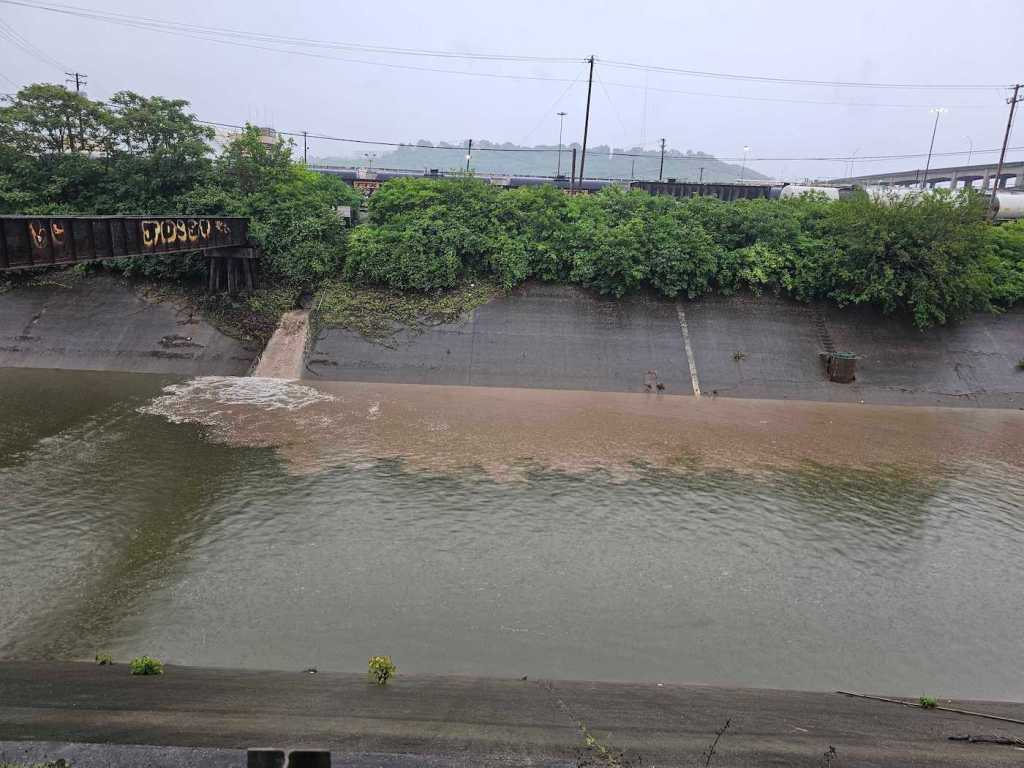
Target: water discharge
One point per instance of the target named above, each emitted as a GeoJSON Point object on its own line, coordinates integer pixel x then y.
{"type": "Point", "coordinates": [265, 523]}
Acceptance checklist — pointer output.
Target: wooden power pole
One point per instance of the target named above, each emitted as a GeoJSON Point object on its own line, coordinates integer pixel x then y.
{"type": "Point", "coordinates": [1013, 101]}
{"type": "Point", "coordinates": [586, 122]}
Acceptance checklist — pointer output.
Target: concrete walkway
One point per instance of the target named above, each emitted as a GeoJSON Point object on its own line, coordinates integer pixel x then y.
{"type": "Point", "coordinates": [463, 721]}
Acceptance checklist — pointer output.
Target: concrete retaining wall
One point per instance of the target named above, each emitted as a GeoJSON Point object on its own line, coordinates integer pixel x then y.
{"type": "Point", "coordinates": [102, 323]}
{"type": "Point", "coordinates": [743, 346]}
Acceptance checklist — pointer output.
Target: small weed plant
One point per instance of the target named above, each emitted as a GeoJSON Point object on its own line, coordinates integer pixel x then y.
{"type": "Point", "coordinates": [146, 665]}
{"type": "Point", "coordinates": [103, 659]}
{"type": "Point", "coordinates": [382, 669]}
{"type": "Point", "coordinates": [927, 702]}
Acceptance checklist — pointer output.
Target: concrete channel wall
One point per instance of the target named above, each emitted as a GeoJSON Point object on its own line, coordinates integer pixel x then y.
{"type": "Point", "coordinates": [103, 324]}
{"type": "Point", "coordinates": [755, 347]}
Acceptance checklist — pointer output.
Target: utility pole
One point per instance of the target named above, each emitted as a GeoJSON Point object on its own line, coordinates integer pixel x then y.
{"type": "Point", "coordinates": [469, 153]}
{"type": "Point", "coordinates": [661, 168]}
{"type": "Point", "coordinates": [586, 120]}
{"type": "Point", "coordinates": [79, 79]}
{"type": "Point", "coordinates": [701, 180]}
{"type": "Point", "coordinates": [572, 174]}
{"type": "Point", "coordinates": [304, 149]}
{"type": "Point", "coordinates": [1013, 101]}
{"type": "Point", "coordinates": [928, 163]}
{"type": "Point", "coordinates": [561, 123]}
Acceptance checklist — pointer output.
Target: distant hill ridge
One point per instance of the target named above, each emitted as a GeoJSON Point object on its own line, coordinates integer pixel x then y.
{"type": "Point", "coordinates": [603, 161]}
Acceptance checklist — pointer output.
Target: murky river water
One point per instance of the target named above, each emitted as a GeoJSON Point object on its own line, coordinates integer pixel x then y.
{"type": "Point", "coordinates": [255, 523]}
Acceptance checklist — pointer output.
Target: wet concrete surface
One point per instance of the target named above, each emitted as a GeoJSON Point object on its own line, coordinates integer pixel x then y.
{"type": "Point", "coordinates": [101, 323]}
{"type": "Point", "coordinates": [551, 337]}
{"type": "Point", "coordinates": [468, 721]}
{"type": "Point", "coordinates": [558, 337]}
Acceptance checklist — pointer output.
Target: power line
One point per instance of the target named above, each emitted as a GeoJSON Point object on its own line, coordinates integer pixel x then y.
{"type": "Point", "coordinates": [238, 37]}
{"type": "Point", "coordinates": [554, 104]}
{"type": "Point", "coordinates": [226, 32]}
{"type": "Point", "coordinates": [396, 144]}
{"type": "Point", "coordinates": [78, 78]}
{"type": "Point", "coordinates": [797, 81]}
{"type": "Point", "coordinates": [784, 100]}
{"type": "Point", "coordinates": [10, 33]}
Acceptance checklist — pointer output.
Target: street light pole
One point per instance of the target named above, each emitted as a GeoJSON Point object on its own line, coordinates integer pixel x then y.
{"type": "Point", "coordinates": [561, 124]}
{"type": "Point", "coordinates": [928, 164]}
{"type": "Point", "coordinates": [743, 165]}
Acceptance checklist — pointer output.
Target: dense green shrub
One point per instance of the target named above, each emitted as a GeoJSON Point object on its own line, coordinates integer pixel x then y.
{"type": "Point", "coordinates": [1006, 263]}
{"type": "Point", "coordinates": [933, 258]}
{"type": "Point", "coordinates": [923, 256]}
{"type": "Point", "coordinates": [61, 152]}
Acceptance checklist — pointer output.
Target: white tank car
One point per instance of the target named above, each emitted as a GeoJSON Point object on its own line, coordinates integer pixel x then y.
{"type": "Point", "coordinates": [795, 190]}
{"type": "Point", "coordinates": [1008, 206]}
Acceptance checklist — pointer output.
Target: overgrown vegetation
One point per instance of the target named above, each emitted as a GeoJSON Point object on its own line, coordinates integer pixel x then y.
{"type": "Point", "coordinates": [935, 259]}
{"type": "Point", "coordinates": [432, 249]}
{"type": "Point", "coordinates": [61, 152]}
{"type": "Point", "coordinates": [377, 313]}
{"type": "Point", "coordinates": [927, 702]}
{"type": "Point", "coordinates": [103, 659]}
{"type": "Point", "coordinates": [146, 665]}
{"type": "Point", "coordinates": [381, 669]}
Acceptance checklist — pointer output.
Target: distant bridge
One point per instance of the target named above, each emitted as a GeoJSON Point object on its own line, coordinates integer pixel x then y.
{"type": "Point", "coordinates": [981, 177]}
{"type": "Point", "coordinates": [45, 241]}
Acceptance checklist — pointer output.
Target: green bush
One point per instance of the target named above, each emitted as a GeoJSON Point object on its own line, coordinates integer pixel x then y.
{"type": "Point", "coordinates": [933, 258]}
{"type": "Point", "coordinates": [927, 702]}
{"type": "Point", "coordinates": [104, 658]}
{"type": "Point", "coordinates": [926, 256]}
{"type": "Point", "coordinates": [381, 669]}
{"type": "Point", "coordinates": [1006, 263]}
{"type": "Point", "coordinates": [146, 665]}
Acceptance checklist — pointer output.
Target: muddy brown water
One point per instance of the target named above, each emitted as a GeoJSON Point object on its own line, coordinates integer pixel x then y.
{"type": "Point", "coordinates": [263, 523]}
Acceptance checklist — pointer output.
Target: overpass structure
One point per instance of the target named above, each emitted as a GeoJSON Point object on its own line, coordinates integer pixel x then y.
{"type": "Point", "coordinates": [981, 177]}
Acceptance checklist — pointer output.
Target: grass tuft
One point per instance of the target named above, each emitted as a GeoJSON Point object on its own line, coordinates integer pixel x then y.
{"type": "Point", "coordinates": [381, 669]}
{"type": "Point", "coordinates": [146, 665]}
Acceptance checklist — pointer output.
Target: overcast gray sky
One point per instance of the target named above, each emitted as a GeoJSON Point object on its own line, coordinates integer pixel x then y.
{"type": "Point", "coordinates": [899, 41]}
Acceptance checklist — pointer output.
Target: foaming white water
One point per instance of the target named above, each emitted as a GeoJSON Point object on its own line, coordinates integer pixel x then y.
{"type": "Point", "coordinates": [191, 400]}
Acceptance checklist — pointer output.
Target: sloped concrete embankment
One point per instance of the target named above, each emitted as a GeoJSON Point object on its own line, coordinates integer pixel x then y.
{"type": "Point", "coordinates": [101, 323]}
{"type": "Point", "coordinates": [471, 721]}
{"type": "Point", "coordinates": [753, 347]}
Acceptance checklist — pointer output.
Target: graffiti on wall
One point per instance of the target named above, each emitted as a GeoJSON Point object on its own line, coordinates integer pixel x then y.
{"type": "Point", "coordinates": [366, 187]}
{"type": "Point", "coordinates": [155, 233]}
{"type": "Point", "coordinates": [181, 231]}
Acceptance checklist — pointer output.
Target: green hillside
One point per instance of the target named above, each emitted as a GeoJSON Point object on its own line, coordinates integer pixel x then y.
{"type": "Point", "coordinates": [542, 160]}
